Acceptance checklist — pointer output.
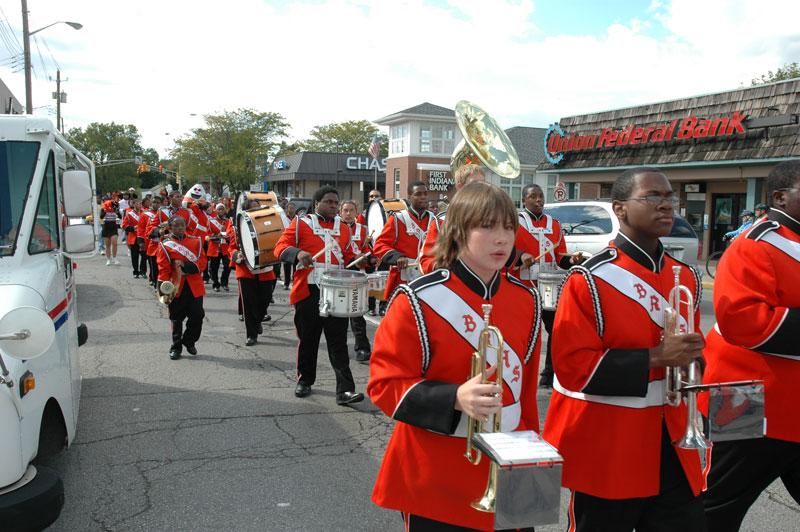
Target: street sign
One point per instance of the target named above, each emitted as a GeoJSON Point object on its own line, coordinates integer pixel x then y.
{"type": "Point", "coordinates": [137, 160]}
{"type": "Point", "coordinates": [560, 193]}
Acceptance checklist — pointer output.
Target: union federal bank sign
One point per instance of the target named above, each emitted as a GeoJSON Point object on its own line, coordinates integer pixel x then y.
{"type": "Point", "coordinates": [557, 142]}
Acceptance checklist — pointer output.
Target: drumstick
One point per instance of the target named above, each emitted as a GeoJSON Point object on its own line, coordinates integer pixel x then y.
{"type": "Point", "coordinates": [320, 252]}
{"type": "Point", "coordinates": [359, 259]}
{"type": "Point", "coordinates": [548, 251]}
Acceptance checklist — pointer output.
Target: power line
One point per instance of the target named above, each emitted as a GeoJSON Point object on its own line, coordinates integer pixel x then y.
{"type": "Point", "coordinates": [12, 40]}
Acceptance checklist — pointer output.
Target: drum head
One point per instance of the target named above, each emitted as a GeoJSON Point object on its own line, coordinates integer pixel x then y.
{"type": "Point", "coordinates": [376, 218]}
{"type": "Point", "coordinates": [246, 237]}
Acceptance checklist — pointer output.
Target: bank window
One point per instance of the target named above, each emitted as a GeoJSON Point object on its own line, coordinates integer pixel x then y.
{"type": "Point", "coordinates": [425, 145]}
{"type": "Point", "coordinates": [435, 138]}
{"type": "Point", "coordinates": [399, 139]}
{"type": "Point", "coordinates": [44, 236]}
{"type": "Point", "coordinates": [396, 183]}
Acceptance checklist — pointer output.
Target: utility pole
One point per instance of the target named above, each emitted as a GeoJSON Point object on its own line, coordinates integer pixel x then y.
{"type": "Point", "coordinates": [58, 101]}
{"type": "Point", "coordinates": [26, 48]}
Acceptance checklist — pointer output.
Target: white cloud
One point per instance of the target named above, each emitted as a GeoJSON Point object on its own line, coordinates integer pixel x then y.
{"type": "Point", "coordinates": [154, 63]}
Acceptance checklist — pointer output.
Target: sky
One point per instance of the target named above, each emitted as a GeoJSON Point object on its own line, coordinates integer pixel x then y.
{"type": "Point", "coordinates": [163, 64]}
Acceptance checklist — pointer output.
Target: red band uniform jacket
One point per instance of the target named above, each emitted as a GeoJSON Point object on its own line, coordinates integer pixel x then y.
{"type": "Point", "coordinates": [538, 235]}
{"type": "Point", "coordinates": [606, 410]}
{"type": "Point", "coordinates": [217, 226]}
{"type": "Point", "coordinates": [163, 215]}
{"type": "Point", "coordinates": [299, 236]}
{"type": "Point", "coordinates": [358, 239]}
{"type": "Point", "coordinates": [757, 306]}
{"type": "Point", "coordinates": [189, 249]}
{"type": "Point", "coordinates": [398, 240]}
{"type": "Point", "coordinates": [141, 229]}
{"type": "Point", "coordinates": [422, 354]}
{"type": "Point", "coordinates": [426, 259]}
{"type": "Point", "coordinates": [131, 219]}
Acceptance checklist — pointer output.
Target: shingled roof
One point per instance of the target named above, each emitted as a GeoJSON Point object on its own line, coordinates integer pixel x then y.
{"type": "Point", "coordinates": [528, 143]}
{"type": "Point", "coordinates": [774, 99]}
{"type": "Point", "coordinates": [428, 109]}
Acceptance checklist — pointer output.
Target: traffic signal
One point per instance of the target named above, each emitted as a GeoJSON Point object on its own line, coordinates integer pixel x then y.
{"type": "Point", "coordinates": [160, 168]}
{"type": "Point", "coordinates": [145, 167]}
{"type": "Point", "coordinates": [139, 170]}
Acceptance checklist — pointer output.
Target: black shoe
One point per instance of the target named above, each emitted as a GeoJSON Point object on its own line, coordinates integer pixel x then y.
{"type": "Point", "coordinates": [174, 353]}
{"type": "Point", "coordinates": [260, 329]}
{"type": "Point", "coordinates": [546, 381]}
{"type": "Point", "coordinates": [382, 312]}
{"type": "Point", "coordinates": [216, 289]}
{"type": "Point", "coordinates": [372, 312]}
{"type": "Point", "coordinates": [225, 288]}
{"type": "Point", "coordinates": [266, 318]}
{"type": "Point", "coordinates": [302, 390]}
{"type": "Point", "coordinates": [286, 287]}
{"type": "Point", "coordinates": [271, 300]}
{"type": "Point", "coordinates": [251, 340]}
{"type": "Point", "coordinates": [241, 318]}
{"type": "Point", "coordinates": [346, 398]}
{"type": "Point", "coordinates": [191, 349]}
{"type": "Point", "coordinates": [362, 355]}
{"type": "Point", "coordinates": [206, 280]}
{"type": "Point", "coordinates": [135, 275]}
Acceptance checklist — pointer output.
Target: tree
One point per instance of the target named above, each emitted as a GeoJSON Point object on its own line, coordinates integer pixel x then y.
{"type": "Point", "coordinates": [787, 71]}
{"type": "Point", "coordinates": [230, 147]}
{"type": "Point", "coordinates": [353, 136]}
{"type": "Point", "coordinates": [106, 143]}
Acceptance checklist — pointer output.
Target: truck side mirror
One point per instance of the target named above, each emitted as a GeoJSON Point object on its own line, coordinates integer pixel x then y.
{"type": "Point", "coordinates": [79, 238]}
{"type": "Point", "coordinates": [26, 332]}
{"type": "Point", "coordinates": [78, 194]}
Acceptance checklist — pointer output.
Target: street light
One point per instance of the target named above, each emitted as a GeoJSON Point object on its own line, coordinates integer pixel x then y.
{"type": "Point", "coordinates": [26, 36]}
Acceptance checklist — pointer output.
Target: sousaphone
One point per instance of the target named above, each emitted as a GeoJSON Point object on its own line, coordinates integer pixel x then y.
{"type": "Point", "coordinates": [484, 142]}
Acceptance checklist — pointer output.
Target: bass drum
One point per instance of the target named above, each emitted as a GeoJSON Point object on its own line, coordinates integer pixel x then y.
{"type": "Point", "coordinates": [258, 233]}
{"type": "Point", "coordinates": [265, 199]}
{"type": "Point", "coordinates": [379, 211]}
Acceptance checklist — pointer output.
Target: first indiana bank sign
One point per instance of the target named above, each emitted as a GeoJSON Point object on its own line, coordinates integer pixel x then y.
{"type": "Point", "coordinates": [557, 143]}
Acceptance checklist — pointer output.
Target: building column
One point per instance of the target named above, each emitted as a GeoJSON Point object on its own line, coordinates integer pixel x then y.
{"type": "Point", "coordinates": [755, 187]}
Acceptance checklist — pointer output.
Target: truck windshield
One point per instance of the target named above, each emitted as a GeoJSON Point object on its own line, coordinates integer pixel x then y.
{"type": "Point", "coordinates": [17, 165]}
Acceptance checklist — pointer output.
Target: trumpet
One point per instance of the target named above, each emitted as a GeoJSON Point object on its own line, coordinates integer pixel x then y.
{"type": "Point", "coordinates": [488, 502]}
{"type": "Point", "coordinates": [677, 388]}
{"type": "Point", "coordinates": [167, 290]}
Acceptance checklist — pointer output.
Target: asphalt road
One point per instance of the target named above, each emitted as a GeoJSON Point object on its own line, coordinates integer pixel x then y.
{"type": "Point", "coordinates": [218, 441]}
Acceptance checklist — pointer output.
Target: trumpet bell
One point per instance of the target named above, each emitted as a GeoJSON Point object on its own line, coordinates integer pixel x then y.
{"type": "Point", "coordinates": [484, 142]}
{"type": "Point", "coordinates": [167, 288]}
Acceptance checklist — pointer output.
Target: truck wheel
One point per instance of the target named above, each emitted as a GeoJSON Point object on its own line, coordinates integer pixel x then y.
{"type": "Point", "coordinates": [34, 506]}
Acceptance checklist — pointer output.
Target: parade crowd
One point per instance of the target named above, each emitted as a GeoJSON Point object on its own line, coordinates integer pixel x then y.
{"type": "Point", "coordinates": [450, 270]}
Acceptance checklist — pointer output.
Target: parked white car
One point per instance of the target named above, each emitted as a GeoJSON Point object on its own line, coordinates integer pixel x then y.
{"type": "Point", "coordinates": [589, 226]}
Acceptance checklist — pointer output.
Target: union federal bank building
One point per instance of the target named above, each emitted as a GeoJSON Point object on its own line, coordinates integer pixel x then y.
{"type": "Point", "coordinates": [716, 150]}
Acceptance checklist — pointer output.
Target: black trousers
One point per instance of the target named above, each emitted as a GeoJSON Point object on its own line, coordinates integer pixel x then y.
{"type": "Point", "coordinates": [153, 268]}
{"type": "Point", "coordinates": [548, 317]}
{"type": "Point", "coordinates": [214, 263]}
{"type": "Point", "coordinates": [310, 326]}
{"type": "Point", "coordinates": [138, 259]}
{"type": "Point", "coordinates": [359, 327]}
{"type": "Point", "coordinates": [189, 308]}
{"type": "Point", "coordinates": [740, 471]}
{"type": "Point", "coordinates": [415, 523]}
{"type": "Point", "coordinates": [255, 295]}
{"type": "Point", "coordinates": [288, 272]}
{"type": "Point", "coordinates": [674, 508]}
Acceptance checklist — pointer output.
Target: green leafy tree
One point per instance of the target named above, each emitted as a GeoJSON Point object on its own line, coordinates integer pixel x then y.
{"type": "Point", "coordinates": [353, 136]}
{"type": "Point", "coordinates": [229, 149]}
{"type": "Point", "coordinates": [106, 144]}
{"type": "Point", "coordinates": [787, 71]}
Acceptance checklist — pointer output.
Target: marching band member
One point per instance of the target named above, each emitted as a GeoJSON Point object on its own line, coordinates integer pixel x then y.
{"type": "Point", "coordinates": [541, 243]}
{"type": "Point", "coordinates": [402, 237]}
{"type": "Point", "coordinates": [255, 289]}
{"type": "Point", "coordinates": [359, 242]}
{"type": "Point", "coordinates": [183, 251]}
{"type": "Point", "coordinates": [608, 414]}
{"type": "Point", "coordinates": [198, 214]}
{"type": "Point", "coordinates": [757, 306]}
{"type": "Point", "coordinates": [155, 229]}
{"type": "Point", "coordinates": [148, 212]}
{"type": "Point", "coordinates": [145, 241]}
{"type": "Point", "coordinates": [322, 231]}
{"type": "Point", "coordinates": [218, 248]}
{"type": "Point", "coordinates": [130, 224]}
{"type": "Point", "coordinates": [419, 379]}
{"type": "Point", "coordinates": [463, 175]}
{"type": "Point", "coordinates": [288, 269]}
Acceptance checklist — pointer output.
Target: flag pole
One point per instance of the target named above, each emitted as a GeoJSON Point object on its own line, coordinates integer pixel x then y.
{"type": "Point", "coordinates": [376, 174]}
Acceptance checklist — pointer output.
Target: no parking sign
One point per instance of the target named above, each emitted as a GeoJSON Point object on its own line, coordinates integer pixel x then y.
{"type": "Point", "coordinates": [560, 193]}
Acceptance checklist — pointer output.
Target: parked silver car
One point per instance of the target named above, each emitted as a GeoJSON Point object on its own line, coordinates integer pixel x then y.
{"type": "Point", "coordinates": [590, 225]}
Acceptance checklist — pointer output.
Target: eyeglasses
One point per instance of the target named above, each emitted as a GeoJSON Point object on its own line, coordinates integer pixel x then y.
{"type": "Point", "coordinates": [374, 196]}
{"type": "Point", "coordinates": [795, 189]}
{"type": "Point", "coordinates": [655, 201]}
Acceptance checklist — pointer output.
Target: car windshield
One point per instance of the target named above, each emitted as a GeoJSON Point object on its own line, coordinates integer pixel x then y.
{"type": "Point", "coordinates": [17, 164]}
{"type": "Point", "coordinates": [682, 229]}
{"type": "Point", "coordinates": [582, 219]}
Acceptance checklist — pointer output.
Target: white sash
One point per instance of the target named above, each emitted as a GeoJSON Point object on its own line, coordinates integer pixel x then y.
{"type": "Point", "coordinates": [468, 324]}
{"type": "Point", "coordinates": [193, 218]}
{"type": "Point", "coordinates": [216, 223]}
{"type": "Point", "coordinates": [789, 247]}
{"type": "Point", "coordinates": [412, 228]}
{"type": "Point", "coordinates": [180, 248]}
{"type": "Point", "coordinates": [150, 214]}
{"type": "Point", "coordinates": [636, 289]}
{"type": "Point", "coordinates": [134, 215]}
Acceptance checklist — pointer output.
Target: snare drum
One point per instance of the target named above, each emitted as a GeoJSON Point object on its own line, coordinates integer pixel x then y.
{"type": "Point", "coordinates": [265, 199]}
{"type": "Point", "coordinates": [377, 284]}
{"type": "Point", "coordinates": [258, 232]}
{"type": "Point", "coordinates": [343, 293]}
{"type": "Point", "coordinates": [378, 212]}
{"type": "Point", "coordinates": [550, 287]}
{"type": "Point", "coordinates": [410, 273]}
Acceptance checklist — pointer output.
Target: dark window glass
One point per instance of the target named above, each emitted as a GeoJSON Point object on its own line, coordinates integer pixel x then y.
{"type": "Point", "coordinates": [17, 164]}
{"type": "Point", "coordinates": [682, 229]}
{"type": "Point", "coordinates": [44, 236]}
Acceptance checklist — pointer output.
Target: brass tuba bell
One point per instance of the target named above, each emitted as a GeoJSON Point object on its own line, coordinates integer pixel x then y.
{"type": "Point", "coordinates": [484, 142]}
